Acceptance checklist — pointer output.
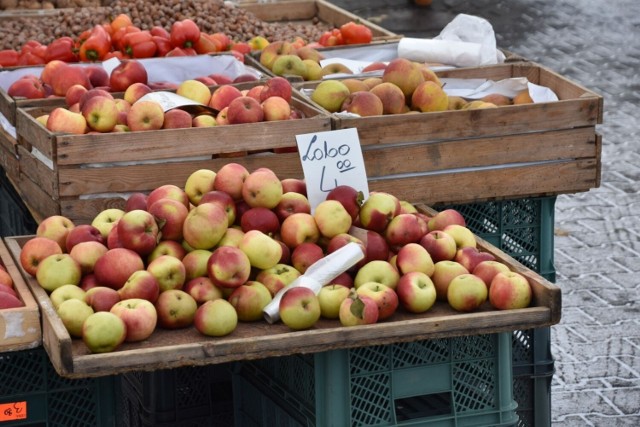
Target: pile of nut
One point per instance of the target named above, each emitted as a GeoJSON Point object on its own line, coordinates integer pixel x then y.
{"type": "Point", "coordinates": [211, 16]}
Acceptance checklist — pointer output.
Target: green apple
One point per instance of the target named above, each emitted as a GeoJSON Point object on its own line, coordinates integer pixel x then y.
{"type": "Point", "coordinates": [330, 298]}
{"type": "Point", "coordinates": [73, 313]}
{"type": "Point", "coordinates": [103, 332]}
{"type": "Point", "coordinates": [58, 270]}
{"type": "Point", "coordinates": [466, 292]}
{"type": "Point", "coordinates": [263, 251]}
{"type": "Point", "coordinates": [416, 292]}
{"type": "Point", "coordinates": [216, 318]}
{"type": "Point", "coordinates": [64, 293]}
{"type": "Point", "coordinates": [299, 308]}
{"type": "Point", "coordinates": [377, 271]}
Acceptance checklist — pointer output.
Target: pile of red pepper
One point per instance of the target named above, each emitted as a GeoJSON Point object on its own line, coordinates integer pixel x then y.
{"type": "Point", "coordinates": [121, 39]}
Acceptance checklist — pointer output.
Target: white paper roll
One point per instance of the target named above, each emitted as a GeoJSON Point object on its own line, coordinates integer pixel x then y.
{"type": "Point", "coordinates": [457, 53]}
{"type": "Point", "coordinates": [317, 275]}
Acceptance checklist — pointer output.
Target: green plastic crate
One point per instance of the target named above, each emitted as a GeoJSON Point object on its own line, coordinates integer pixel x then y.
{"type": "Point", "coordinates": [199, 396]}
{"type": "Point", "coordinates": [524, 229]}
{"type": "Point", "coordinates": [53, 401]}
{"type": "Point", "coordinates": [463, 381]}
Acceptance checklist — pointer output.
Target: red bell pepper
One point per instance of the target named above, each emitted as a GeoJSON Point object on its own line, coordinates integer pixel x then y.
{"type": "Point", "coordinates": [29, 58]}
{"type": "Point", "coordinates": [96, 46]}
{"type": "Point", "coordinates": [163, 45]}
{"type": "Point", "coordinates": [120, 21]}
{"type": "Point", "coordinates": [159, 31]}
{"type": "Point", "coordinates": [331, 38]}
{"type": "Point", "coordinates": [9, 58]}
{"type": "Point", "coordinates": [207, 44]}
{"type": "Point", "coordinates": [353, 33]}
{"type": "Point", "coordinates": [116, 38]}
{"type": "Point", "coordinates": [33, 47]}
{"type": "Point", "coordinates": [62, 49]}
{"type": "Point", "coordinates": [184, 34]}
{"type": "Point", "coordinates": [139, 44]}
{"type": "Point", "coordinates": [177, 51]}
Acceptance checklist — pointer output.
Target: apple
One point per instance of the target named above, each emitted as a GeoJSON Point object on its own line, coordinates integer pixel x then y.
{"type": "Point", "coordinates": [273, 50]}
{"type": "Point", "coordinates": [202, 290]}
{"type": "Point", "coordinates": [486, 270]}
{"type": "Point", "coordinates": [205, 225]}
{"type": "Point", "coordinates": [83, 233]}
{"type": "Point", "coordinates": [262, 187]}
{"type": "Point", "coordinates": [230, 179]}
{"type": "Point", "coordinates": [277, 277]}
{"type": "Point", "coordinates": [440, 245]}
{"type": "Point", "coordinates": [66, 121]}
{"type": "Point", "coordinates": [35, 250]}
{"type": "Point", "coordinates": [350, 198]}
{"type": "Point", "coordinates": [403, 229]}
{"type": "Point", "coordinates": [169, 271]}
{"type": "Point", "coordinates": [228, 267]}
{"type": "Point", "coordinates": [194, 90]}
{"type": "Point", "coordinates": [332, 218]}
{"type": "Point", "coordinates": [29, 87]}
{"type": "Point", "coordinates": [263, 251]}
{"type": "Point", "coordinates": [335, 68]}
{"type": "Point", "coordinates": [446, 217]}
{"type": "Point", "coordinates": [378, 211]}
{"type": "Point", "coordinates": [93, 92]}
{"type": "Point", "coordinates": [275, 108]}
{"type": "Point", "coordinates": [101, 298]}
{"type": "Point", "coordinates": [73, 313]}
{"type": "Point", "coordinates": [363, 103]}
{"type": "Point", "coordinates": [71, 97]}
{"type": "Point", "coordinates": [106, 219]}
{"type": "Point", "coordinates": [88, 281]}
{"type": "Point", "coordinates": [385, 298]}
{"type": "Point", "coordinates": [115, 267]}
{"type": "Point", "coordinates": [376, 246]}
{"type": "Point", "coordinates": [462, 235]}
{"type": "Point", "coordinates": [429, 96]}
{"type": "Point", "coordinates": [198, 183]}
{"type": "Point", "coordinates": [403, 73]}
{"type": "Point", "coordinates": [260, 218]}
{"type": "Point", "coordinates": [244, 109]}
{"type": "Point", "coordinates": [330, 298]}
{"type": "Point", "coordinates": [7, 300]}
{"type": "Point", "coordinates": [87, 253]}
{"type": "Point", "coordinates": [203, 120]}
{"type": "Point", "coordinates": [305, 254]}
{"type": "Point", "coordinates": [330, 95]}
{"type": "Point", "coordinates": [170, 215]}
{"type": "Point", "coordinates": [66, 292]}
{"type": "Point", "coordinates": [510, 290]}
{"type": "Point", "coordinates": [288, 65]}
{"type": "Point", "coordinates": [56, 227]}
{"type": "Point", "coordinates": [167, 247]}
{"type": "Point", "coordinates": [103, 332]}
{"type": "Point", "coordinates": [225, 201]}
{"type": "Point", "coordinates": [176, 309]}
{"type": "Point", "coordinates": [138, 231]}
{"type": "Point", "coordinates": [222, 96]}
{"type": "Point", "coordinates": [470, 257]}
{"type": "Point", "coordinates": [416, 292]}
{"type": "Point", "coordinates": [392, 98]}
{"type": "Point", "coordinates": [377, 271]}
{"type": "Point", "coordinates": [177, 119]}
{"type": "Point", "coordinates": [68, 76]}
{"type": "Point", "coordinates": [136, 91]}
{"type": "Point", "coordinates": [295, 185]}
{"type": "Point", "coordinates": [100, 113]}
{"type": "Point", "coordinates": [292, 202]}
{"type": "Point", "coordinates": [145, 115]}
{"type": "Point", "coordinates": [443, 273]}
{"type": "Point", "coordinates": [141, 284]}
{"type": "Point", "coordinates": [139, 315]}
{"type": "Point", "coordinates": [249, 300]}
{"type": "Point", "coordinates": [299, 308]}
{"type": "Point", "coordinates": [195, 263]}
{"type": "Point", "coordinates": [355, 85]}
{"type": "Point", "coordinates": [358, 310]}
{"type": "Point", "coordinates": [299, 228]}
{"type": "Point", "coordinates": [50, 69]}
{"type": "Point", "coordinates": [216, 318]}
{"type": "Point", "coordinates": [168, 191]}
{"type": "Point", "coordinates": [127, 73]}
{"type": "Point", "coordinates": [57, 270]}
{"type": "Point", "coordinates": [278, 87]}
{"type": "Point", "coordinates": [466, 292]}
{"type": "Point", "coordinates": [414, 257]}
{"type": "Point", "coordinates": [343, 239]}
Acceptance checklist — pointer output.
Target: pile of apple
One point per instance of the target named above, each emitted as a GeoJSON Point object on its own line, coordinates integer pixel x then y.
{"type": "Point", "coordinates": [8, 296]}
{"type": "Point", "coordinates": [218, 250]}
{"type": "Point", "coordinates": [98, 111]}
{"type": "Point", "coordinates": [404, 87]}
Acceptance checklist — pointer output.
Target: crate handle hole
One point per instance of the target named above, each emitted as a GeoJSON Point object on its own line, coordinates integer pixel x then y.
{"type": "Point", "coordinates": [423, 406]}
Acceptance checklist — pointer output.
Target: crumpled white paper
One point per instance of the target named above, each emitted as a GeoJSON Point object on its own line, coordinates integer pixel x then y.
{"type": "Point", "coordinates": [317, 275]}
{"type": "Point", "coordinates": [467, 41]}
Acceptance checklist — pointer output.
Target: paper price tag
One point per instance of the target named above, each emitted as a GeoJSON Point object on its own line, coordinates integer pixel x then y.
{"type": "Point", "coordinates": [330, 159]}
{"type": "Point", "coordinates": [13, 411]}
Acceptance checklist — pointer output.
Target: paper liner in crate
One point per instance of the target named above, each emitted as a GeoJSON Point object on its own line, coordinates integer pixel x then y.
{"type": "Point", "coordinates": [317, 275]}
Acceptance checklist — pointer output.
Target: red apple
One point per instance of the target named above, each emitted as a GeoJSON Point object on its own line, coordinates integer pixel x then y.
{"type": "Point", "coordinates": [224, 200]}
{"type": "Point", "coordinates": [228, 267]}
{"type": "Point", "coordinates": [358, 310]}
{"type": "Point", "coordinates": [139, 315]}
{"type": "Point", "coordinates": [35, 250]}
{"type": "Point", "coordinates": [349, 197]}
{"type": "Point", "coordinates": [416, 292]}
{"type": "Point", "coordinates": [57, 228]}
{"type": "Point", "coordinates": [510, 290]}
{"type": "Point", "coordinates": [244, 109]}
{"type": "Point", "coordinates": [249, 300]}
{"type": "Point", "coordinates": [230, 179]}
{"type": "Point", "coordinates": [101, 298]}
{"type": "Point", "coordinates": [305, 254]}
{"type": "Point", "coordinates": [385, 298]}
{"type": "Point", "coordinates": [440, 245]}
{"type": "Point", "coordinates": [486, 270]}
{"type": "Point", "coordinates": [138, 231]}
{"type": "Point", "coordinates": [127, 73]}
{"type": "Point", "coordinates": [176, 309]}
{"type": "Point", "coordinates": [470, 257]}
{"type": "Point", "coordinates": [299, 308]}
{"type": "Point", "coordinates": [170, 215]}
{"type": "Point", "coordinates": [141, 284]}
{"type": "Point", "coordinates": [115, 267]}
{"type": "Point", "coordinates": [202, 290]}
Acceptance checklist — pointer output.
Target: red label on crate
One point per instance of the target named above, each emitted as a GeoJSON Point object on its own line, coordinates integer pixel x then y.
{"type": "Point", "coordinates": [13, 411]}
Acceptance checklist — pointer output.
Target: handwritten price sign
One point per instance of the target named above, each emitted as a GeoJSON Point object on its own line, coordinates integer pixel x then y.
{"type": "Point", "coordinates": [330, 159]}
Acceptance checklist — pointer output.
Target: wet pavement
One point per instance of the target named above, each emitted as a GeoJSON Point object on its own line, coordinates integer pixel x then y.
{"type": "Point", "coordinates": [595, 43]}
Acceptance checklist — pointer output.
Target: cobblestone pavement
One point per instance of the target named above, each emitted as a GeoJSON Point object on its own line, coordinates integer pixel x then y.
{"type": "Point", "coordinates": [597, 244]}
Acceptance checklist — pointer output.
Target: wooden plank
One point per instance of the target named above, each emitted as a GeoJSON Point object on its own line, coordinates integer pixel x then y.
{"type": "Point", "coordinates": [19, 327]}
{"type": "Point", "coordinates": [254, 340]}
{"type": "Point", "coordinates": [44, 177]}
{"type": "Point", "coordinates": [9, 153]}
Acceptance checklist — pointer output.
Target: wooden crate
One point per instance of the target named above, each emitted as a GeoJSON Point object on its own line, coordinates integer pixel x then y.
{"type": "Point", "coordinates": [469, 156]}
{"type": "Point", "coordinates": [308, 11]}
{"type": "Point", "coordinates": [19, 327]}
{"type": "Point", "coordinates": [79, 175]}
{"type": "Point", "coordinates": [256, 340]}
